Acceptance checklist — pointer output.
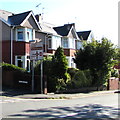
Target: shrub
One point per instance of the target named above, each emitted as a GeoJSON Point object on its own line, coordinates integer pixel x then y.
{"type": "Point", "coordinates": [11, 67]}
{"type": "Point", "coordinates": [82, 79]}
{"type": "Point", "coordinates": [72, 72]}
{"type": "Point", "coordinates": [89, 77]}
{"type": "Point", "coordinates": [114, 73]}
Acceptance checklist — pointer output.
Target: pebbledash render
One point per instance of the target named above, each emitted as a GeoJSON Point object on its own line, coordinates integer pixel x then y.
{"type": "Point", "coordinates": [19, 29]}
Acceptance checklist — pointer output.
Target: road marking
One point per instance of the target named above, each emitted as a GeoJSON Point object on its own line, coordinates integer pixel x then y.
{"type": "Point", "coordinates": [69, 115]}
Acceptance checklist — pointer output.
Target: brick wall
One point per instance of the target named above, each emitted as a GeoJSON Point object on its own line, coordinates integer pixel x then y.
{"type": "Point", "coordinates": [113, 84]}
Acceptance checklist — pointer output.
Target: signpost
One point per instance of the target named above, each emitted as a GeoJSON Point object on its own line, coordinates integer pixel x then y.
{"type": "Point", "coordinates": [36, 53]}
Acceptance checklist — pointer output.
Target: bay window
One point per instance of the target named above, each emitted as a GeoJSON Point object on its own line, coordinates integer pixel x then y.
{"type": "Point", "coordinates": [24, 34]}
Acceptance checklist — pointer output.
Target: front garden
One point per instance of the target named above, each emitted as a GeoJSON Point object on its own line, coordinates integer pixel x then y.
{"type": "Point", "coordinates": [95, 65]}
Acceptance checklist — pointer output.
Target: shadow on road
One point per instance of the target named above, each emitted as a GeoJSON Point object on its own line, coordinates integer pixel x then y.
{"type": "Point", "coordinates": [14, 92]}
{"type": "Point", "coordinates": [91, 111]}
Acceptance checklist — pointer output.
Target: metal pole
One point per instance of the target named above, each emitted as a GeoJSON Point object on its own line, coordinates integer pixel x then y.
{"type": "Point", "coordinates": [33, 76]}
{"type": "Point", "coordinates": [41, 81]}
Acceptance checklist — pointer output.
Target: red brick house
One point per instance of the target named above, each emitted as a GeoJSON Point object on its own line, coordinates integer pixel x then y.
{"type": "Point", "coordinates": [17, 31]}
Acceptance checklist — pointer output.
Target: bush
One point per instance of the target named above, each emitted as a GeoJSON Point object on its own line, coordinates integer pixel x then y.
{"type": "Point", "coordinates": [82, 79]}
{"type": "Point", "coordinates": [114, 73]}
{"type": "Point", "coordinates": [72, 72]}
{"type": "Point", "coordinates": [11, 67]}
{"type": "Point", "coordinates": [89, 77]}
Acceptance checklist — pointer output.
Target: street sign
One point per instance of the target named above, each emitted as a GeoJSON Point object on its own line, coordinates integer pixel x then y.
{"type": "Point", "coordinates": [36, 52]}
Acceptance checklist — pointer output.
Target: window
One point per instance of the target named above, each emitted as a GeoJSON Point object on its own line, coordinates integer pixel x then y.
{"type": "Point", "coordinates": [65, 42]}
{"type": "Point", "coordinates": [28, 65]}
{"type": "Point", "coordinates": [23, 62]}
{"type": "Point", "coordinates": [72, 43]}
{"type": "Point", "coordinates": [20, 34]}
{"type": "Point", "coordinates": [49, 42]}
{"type": "Point", "coordinates": [72, 63]}
{"type": "Point", "coordinates": [19, 61]}
{"type": "Point", "coordinates": [24, 34]}
{"type": "Point", "coordinates": [28, 35]}
{"type": "Point", "coordinates": [78, 44]}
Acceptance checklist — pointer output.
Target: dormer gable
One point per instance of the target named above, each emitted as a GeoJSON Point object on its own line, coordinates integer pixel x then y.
{"type": "Point", "coordinates": [26, 19]}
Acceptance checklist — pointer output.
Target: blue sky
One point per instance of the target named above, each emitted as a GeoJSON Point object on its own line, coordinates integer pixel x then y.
{"type": "Point", "coordinates": [100, 16]}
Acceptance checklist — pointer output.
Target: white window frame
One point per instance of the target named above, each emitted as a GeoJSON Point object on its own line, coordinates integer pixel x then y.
{"type": "Point", "coordinates": [19, 59]}
{"type": "Point", "coordinates": [20, 30]}
{"type": "Point", "coordinates": [28, 65]}
{"type": "Point", "coordinates": [64, 41]}
{"type": "Point", "coordinates": [49, 42]}
{"type": "Point", "coordinates": [30, 32]}
{"type": "Point", "coordinates": [24, 60]}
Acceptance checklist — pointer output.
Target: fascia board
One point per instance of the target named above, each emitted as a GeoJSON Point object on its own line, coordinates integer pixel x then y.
{"type": "Point", "coordinates": [74, 31]}
{"type": "Point", "coordinates": [5, 21]}
{"type": "Point", "coordinates": [33, 18]}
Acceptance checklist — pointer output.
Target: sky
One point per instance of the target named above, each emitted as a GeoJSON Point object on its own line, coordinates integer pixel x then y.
{"type": "Point", "coordinates": [100, 16]}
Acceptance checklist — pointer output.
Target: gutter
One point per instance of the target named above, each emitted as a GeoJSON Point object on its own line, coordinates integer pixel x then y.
{"type": "Point", "coordinates": [11, 44]}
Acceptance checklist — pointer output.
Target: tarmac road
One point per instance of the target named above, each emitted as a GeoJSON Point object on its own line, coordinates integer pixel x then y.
{"type": "Point", "coordinates": [89, 106]}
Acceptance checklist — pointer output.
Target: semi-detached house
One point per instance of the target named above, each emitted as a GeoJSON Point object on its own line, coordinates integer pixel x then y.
{"type": "Point", "coordinates": [19, 29]}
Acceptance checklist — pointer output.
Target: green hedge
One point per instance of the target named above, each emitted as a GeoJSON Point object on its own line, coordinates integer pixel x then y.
{"type": "Point", "coordinates": [11, 67]}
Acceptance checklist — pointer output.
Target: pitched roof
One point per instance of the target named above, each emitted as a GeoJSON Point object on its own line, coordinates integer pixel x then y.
{"type": "Point", "coordinates": [17, 19]}
{"type": "Point", "coordinates": [4, 21]}
{"type": "Point", "coordinates": [4, 14]}
{"type": "Point", "coordinates": [84, 34]}
{"type": "Point", "coordinates": [63, 30]}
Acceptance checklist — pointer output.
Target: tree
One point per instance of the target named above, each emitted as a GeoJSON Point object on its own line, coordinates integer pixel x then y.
{"type": "Point", "coordinates": [99, 58]}
{"type": "Point", "coordinates": [55, 70]}
{"type": "Point", "coordinates": [60, 64]}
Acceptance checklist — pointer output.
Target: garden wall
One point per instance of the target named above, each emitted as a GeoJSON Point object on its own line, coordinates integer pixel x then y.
{"type": "Point", "coordinates": [113, 84]}
{"type": "Point", "coordinates": [21, 81]}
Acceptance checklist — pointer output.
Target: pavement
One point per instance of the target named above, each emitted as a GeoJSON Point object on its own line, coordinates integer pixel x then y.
{"type": "Point", "coordinates": [20, 94]}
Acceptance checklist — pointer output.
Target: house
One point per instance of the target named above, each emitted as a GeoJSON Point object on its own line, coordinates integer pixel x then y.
{"type": "Point", "coordinates": [19, 29]}
{"type": "Point", "coordinates": [69, 41]}
{"type": "Point", "coordinates": [85, 35]}
{"type": "Point", "coordinates": [51, 40]}
{"type": "Point", "coordinates": [64, 36]}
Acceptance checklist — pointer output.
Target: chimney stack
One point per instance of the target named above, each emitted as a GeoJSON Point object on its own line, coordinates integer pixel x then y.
{"type": "Point", "coordinates": [39, 18]}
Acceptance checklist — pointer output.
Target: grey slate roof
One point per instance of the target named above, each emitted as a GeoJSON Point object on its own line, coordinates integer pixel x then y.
{"type": "Point", "coordinates": [17, 19]}
{"type": "Point", "coordinates": [84, 34]}
{"type": "Point", "coordinates": [63, 30]}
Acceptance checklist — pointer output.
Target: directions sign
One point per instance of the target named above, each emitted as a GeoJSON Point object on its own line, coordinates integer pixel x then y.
{"type": "Point", "coordinates": [36, 52]}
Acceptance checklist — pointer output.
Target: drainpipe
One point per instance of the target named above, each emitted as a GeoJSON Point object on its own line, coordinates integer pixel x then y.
{"type": "Point", "coordinates": [11, 44]}
{"type": "Point", "coordinates": [45, 44]}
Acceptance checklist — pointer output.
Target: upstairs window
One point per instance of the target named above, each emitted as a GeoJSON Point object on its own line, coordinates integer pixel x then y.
{"type": "Point", "coordinates": [65, 42]}
{"type": "Point", "coordinates": [24, 34]}
{"type": "Point", "coordinates": [20, 34]}
{"type": "Point", "coordinates": [49, 42]}
{"type": "Point", "coordinates": [29, 34]}
{"type": "Point", "coordinates": [78, 44]}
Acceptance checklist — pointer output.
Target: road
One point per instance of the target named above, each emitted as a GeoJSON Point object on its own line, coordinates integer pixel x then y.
{"type": "Point", "coordinates": [95, 106]}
